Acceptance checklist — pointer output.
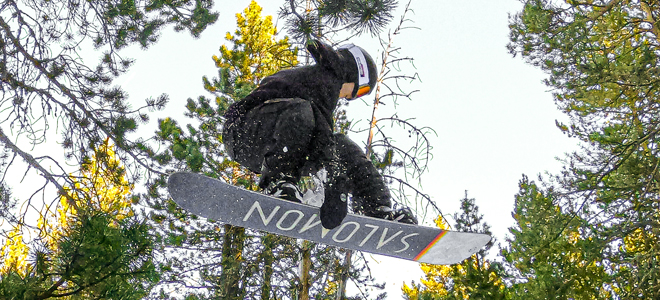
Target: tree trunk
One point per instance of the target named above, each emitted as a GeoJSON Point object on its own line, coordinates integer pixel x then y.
{"type": "Point", "coordinates": [306, 266]}
{"type": "Point", "coordinates": [268, 258]}
{"type": "Point", "coordinates": [341, 289]}
{"type": "Point", "coordinates": [232, 257]}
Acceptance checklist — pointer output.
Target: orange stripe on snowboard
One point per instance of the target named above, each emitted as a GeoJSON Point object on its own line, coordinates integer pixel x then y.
{"type": "Point", "coordinates": [430, 245]}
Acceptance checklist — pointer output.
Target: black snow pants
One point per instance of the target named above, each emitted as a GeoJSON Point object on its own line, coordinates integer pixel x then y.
{"type": "Point", "coordinates": [291, 137]}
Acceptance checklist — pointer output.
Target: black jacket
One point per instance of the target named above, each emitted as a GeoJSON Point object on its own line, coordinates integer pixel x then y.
{"type": "Point", "coordinates": [319, 83]}
{"type": "Point", "coordinates": [311, 83]}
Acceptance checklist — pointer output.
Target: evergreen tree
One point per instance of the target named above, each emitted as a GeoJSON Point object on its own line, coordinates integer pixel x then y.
{"type": "Point", "coordinates": [48, 89]}
{"type": "Point", "coordinates": [7, 202]}
{"type": "Point", "coordinates": [401, 161]}
{"type": "Point", "coordinates": [229, 262]}
{"type": "Point", "coordinates": [53, 98]}
{"type": "Point", "coordinates": [475, 278]}
{"type": "Point", "coordinates": [602, 57]}
{"type": "Point", "coordinates": [551, 252]}
{"type": "Point", "coordinates": [308, 19]}
{"type": "Point", "coordinates": [242, 268]}
{"type": "Point", "coordinates": [95, 248]}
{"type": "Point", "coordinates": [255, 53]}
{"type": "Point", "coordinates": [250, 264]}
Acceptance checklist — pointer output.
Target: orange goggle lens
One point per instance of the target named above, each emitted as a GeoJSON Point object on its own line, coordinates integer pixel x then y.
{"type": "Point", "coordinates": [363, 90]}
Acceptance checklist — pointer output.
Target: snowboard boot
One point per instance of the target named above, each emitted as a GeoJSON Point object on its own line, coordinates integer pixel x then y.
{"type": "Point", "coordinates": [402, 215]}
{"type": "Point", "coordinates": [284, 188]}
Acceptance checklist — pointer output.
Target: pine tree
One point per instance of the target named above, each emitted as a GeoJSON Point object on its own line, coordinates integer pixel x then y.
{"type": "Point", "coordinates": [551, 250]}
{"type": "Point", "coordinates": [92, 248]}
{"type": "Point", "coordinates": [325, 20]}
{"type": "Point", "coordinates": [255, 53]}
{"type": "Point", "coordinates": [51, 95]}
{"type": "Point", "coordinates": [308, 19]}
{"type": "Point", "coordinates": [236, 263]}
{"type": "Point", "coordinates": [475, 278]}
{"type": "Point", "coordinates": [253, 264]}
{"type": "Point", "coordinates": [601, 59]}
{"type": "Point", "coordinates": [200, 150]}
{"type": "Point", "coordinates": [59, 108]}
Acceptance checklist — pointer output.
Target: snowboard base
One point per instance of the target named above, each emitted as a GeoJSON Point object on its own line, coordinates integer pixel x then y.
{"type": "Point", "coordinates": [216, 200]}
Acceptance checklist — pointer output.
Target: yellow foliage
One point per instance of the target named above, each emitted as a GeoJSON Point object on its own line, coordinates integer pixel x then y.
{"type": "Point", "coordinates": [573, 237]}
{"type": "Point", "coordinates": [97, 189]}
{"type": "Point", "coordinates": [411, 293]}
{"type": "Point", "coordinates": [100, 187]}
{"type": "Point", "coordinates": [437, 276]}
{"type": "Point", "coordinates": [256, 53]}
{"type": "Point", "coordinates": [331, 286]}
{"type": "Point", "coordinates": [439, 279]}
{"type": "Point", "coordinates": [14, 253]}
{"type": "Point", "coordinates": [639, 241]}
{"type": "Point", "coordinates": [441, 223]}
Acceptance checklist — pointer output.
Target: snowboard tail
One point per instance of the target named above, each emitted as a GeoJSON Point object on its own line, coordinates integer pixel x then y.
{"type": "Point", "coordinates": [216, 200]}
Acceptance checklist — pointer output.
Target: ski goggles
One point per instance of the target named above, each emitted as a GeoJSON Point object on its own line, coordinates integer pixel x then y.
{"type": "Point", "coordinates": [363, 86]}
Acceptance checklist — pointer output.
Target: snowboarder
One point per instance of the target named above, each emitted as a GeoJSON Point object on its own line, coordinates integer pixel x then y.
{"type": "Point", "coordinates": [284, 129]}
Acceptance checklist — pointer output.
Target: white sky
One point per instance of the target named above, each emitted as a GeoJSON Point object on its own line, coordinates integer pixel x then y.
{"type": "Point", "coordinates": [494, 117]}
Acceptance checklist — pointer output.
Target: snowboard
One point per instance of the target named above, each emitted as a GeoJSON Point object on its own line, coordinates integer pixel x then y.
{"type": "Point", "coordinates": [213, 199]}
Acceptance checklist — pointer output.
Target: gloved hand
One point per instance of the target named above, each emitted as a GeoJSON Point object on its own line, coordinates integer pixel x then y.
{"type": "Point", "coordinates": [335, 204]}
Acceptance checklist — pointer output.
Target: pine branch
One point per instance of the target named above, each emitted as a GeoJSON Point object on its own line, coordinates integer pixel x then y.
{"type": "Point", "coordinates": [35, 164]}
